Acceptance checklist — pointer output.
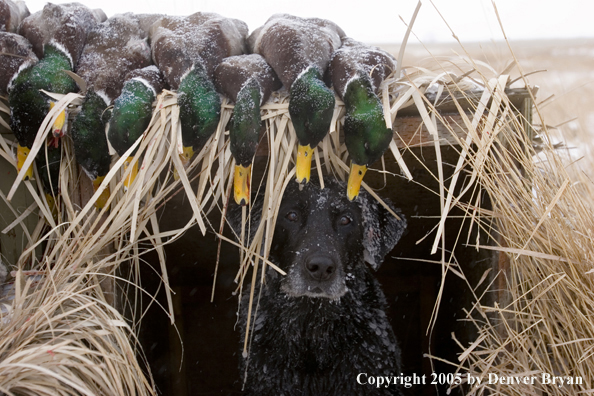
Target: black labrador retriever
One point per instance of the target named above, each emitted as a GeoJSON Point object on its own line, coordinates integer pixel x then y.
{"type": "Point", "coordinates": [324, 323]}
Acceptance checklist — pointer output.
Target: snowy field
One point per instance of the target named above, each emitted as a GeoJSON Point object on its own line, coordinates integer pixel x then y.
{"type": "Point", "coordinates": [566, 72]}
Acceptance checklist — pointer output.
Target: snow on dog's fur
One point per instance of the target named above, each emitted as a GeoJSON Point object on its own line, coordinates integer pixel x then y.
{"type": "Point", "coordinates": [324, 323]}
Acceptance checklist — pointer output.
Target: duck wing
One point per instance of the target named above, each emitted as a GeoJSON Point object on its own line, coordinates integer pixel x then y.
{"type": "Point", "coordinates": [12, 14]}
{"type": "Point", "coordinates": [16, 52]}
{"type": "Point", "coordinates": [233, 73]}
{"type": "Point", "coordinates": [178, 43]}
{"type": "Point", "coordinates": [146, 21]}
{"type": "Point", "coordinates": [114, 48]}
{"type": "Point", "coordinates": [291, 44]}
{"type": "Point", "coordinates": [354, 57]}
{"type": "Point", "coordinates": [66, 25]}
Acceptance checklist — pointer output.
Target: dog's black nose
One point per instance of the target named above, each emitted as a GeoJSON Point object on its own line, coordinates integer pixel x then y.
{"type": "Point", "coordinates": [321, 268]}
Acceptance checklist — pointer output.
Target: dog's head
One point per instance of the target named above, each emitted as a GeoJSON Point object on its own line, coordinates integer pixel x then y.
{"type": "Point", "coordinates": [321, 238]}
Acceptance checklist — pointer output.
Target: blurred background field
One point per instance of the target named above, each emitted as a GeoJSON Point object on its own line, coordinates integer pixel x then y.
{"type": "Point", "coordinates": [564, 74]}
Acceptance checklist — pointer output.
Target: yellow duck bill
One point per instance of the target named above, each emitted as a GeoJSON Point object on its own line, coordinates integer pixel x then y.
{"type": "Point", "coordinates": [22, 154]}
{"type": "Point", "coordinates": [185, 156]}
{"type": "Point", "coordinates": [303, 171]}
{"type": "Point", "coordinates": [51, 203]}
{"type": "Point", "coordinates": [60, 122]}
{"type": "Point", "coordinates": [241, 184]}
{"type": "Point", "coordinates": [355, 179]}
{"type": "Point", "coordinates": [104, 197]}
{"type": "Point", "coordinates": [132, 175]}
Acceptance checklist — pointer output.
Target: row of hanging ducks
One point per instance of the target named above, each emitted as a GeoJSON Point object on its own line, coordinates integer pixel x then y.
{"type": "Point", "coordinates": [127, 60]}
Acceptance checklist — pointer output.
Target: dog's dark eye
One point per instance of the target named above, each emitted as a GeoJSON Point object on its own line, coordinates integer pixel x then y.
{"type": "Point", "coordinates": [344, 220]}
{"type": "Point", "coordinates": [291, 216]}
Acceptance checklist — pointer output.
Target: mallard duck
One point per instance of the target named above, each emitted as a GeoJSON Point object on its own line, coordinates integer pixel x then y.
{"type": "Point", "coordinates": [90, 145]}
{"type": "Point", "coordinates": [132, 112]}
{"type": "Point", "coordinates": [66, 27]}
{"type": "Point", "coordinates": [187, 51]}
{"type": "Point", "coordinates": [114, 48]}
{"type": "Point", "coordinates": [299, 50]}
{"type": "Point", "coordinates": [199, 110]}
{"type": "Point", "coordinates": [248, 80]}
{"type": "Point", "coordinates": [48, 169]}
{"type": "Point", "coordinates": [57, 35]}
{"type": "Point", "coordinates": [357, 70]}
{"type": "Point", "coordinates": [12, 14]}
{"type": "Point", "coordinates": [29, 106]}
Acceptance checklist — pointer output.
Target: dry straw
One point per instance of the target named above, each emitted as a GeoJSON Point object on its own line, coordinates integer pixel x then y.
{"type": "Point", "coordinates": [60, 335]}
{"type": "Point", "coordinates": [59, 332]}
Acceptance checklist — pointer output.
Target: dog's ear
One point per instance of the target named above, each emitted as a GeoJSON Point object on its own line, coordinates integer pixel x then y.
{"type": "Point", "coordinates": [381, 229]}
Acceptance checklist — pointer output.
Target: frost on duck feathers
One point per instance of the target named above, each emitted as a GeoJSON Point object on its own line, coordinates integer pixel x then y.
{"type": "Point", "coordinates": [114, 48]}
{"type": "Point", "coordinates": [206, 38]}
{"type": "Point", "coordinates": [235, 71]}
{"type": "Point", "coordinates": [64, 25]}
{"type": "Point", "coordinates": [355, 58]}
{"type": "Point", "coordinates": [291, 44]}
{"type": "Point", "coordinates": [15, 54]}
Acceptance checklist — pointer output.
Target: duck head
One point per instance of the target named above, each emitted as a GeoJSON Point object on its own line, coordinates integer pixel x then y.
{"type": "Point", "coordinates": [365, 131]}
{"type": "Point", "coordinates": [59, 126]}
{"type": "Point", "coordinates": [311, 107]}
{"type": "Point", "coordinates": [243, 133]}
{"type": "Point", "coordinates": [90, 143]}
{"type": "Point", "coordinates": [55, 61]}
{"type": "Point", "coordinates": [130, 117]}
{"type": "Point", "coordinates": [199, 109]}
{"type": "Point", "coordinates": [29, 106]}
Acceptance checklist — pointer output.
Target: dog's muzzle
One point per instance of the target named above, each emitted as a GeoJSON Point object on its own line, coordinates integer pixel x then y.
{"type": "Point", "coordinates": [315, 275]}
{"type": "Point", "coordinates": [320, 268]}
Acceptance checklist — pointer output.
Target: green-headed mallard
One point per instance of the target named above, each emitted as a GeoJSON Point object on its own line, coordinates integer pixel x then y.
{"type": "Point", "coordinates": [132, 112]}
{"type": "Point", "coordinates": [65, 26]}
{"type": "Point", "coordinates": [29, 106]}
{"type": "Point", "coordinates": [249, 81]}
{"type": "Point", "coordinates": [114, 48]}
{"type": "Point", "coordinates": [357, 70]}
{"type": "Point", "coordinates": [90, 144]}
{"type": "Point", "coordinates": [199, 109]}
{"type": "Point", "coordinates": [299, 51]}
{"type": "Point", "coordinates": [57, 35]}
{"type": "Point", "coordinates": [187, 50]}
{"type": "Point", "coordinates": [11, 15]}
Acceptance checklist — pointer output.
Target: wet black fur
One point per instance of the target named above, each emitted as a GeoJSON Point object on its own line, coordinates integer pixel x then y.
{"type": "Point", "coordinates": [316, 346]}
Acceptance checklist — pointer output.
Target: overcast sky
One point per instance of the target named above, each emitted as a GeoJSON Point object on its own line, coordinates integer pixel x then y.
{"type": "Point", "coordinates": [377, 21]}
